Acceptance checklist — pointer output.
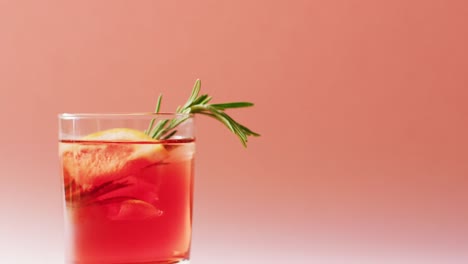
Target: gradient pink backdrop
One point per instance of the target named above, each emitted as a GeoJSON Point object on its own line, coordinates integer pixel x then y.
{"type": "Point", "coordinates": [362, 106]}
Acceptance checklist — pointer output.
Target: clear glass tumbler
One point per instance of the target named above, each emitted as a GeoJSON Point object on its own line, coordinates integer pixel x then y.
{"type": "Point", "coordinates": [128, 197]}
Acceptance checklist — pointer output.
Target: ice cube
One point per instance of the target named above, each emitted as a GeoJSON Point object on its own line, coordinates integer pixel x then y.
{"type": "Point", "coordinates": [180, 152]}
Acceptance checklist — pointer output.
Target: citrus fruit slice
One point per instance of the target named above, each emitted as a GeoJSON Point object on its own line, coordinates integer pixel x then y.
{"type": "Point", "coordinates": [137, 209]}
{"type": "Point", "coordinates": [110, 155]}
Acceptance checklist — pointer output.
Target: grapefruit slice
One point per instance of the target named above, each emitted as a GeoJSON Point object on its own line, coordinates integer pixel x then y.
{"type": "Point", "coordinates": [110, 155]}
{"type": "Point", "coordinates": [137, 209]}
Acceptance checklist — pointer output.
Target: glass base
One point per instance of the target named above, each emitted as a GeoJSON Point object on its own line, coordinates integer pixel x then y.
{"type": "Point", "coordinates": [184, 261]}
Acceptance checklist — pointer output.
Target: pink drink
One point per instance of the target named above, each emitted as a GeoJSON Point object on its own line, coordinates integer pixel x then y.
{"type": "Point", "coordinates": [128, 201]}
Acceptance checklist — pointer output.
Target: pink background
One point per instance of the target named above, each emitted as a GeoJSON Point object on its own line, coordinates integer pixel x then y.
{"type": "Point", "coordinates": [362, 107]}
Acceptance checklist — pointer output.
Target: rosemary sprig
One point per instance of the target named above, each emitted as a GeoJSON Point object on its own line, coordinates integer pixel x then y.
{"type": "Point", "coordinates": [78, 197]}
{"type": "Point", "coordinates": [199, 104]}
{"type": "Point", "coordinates": [158, 106]}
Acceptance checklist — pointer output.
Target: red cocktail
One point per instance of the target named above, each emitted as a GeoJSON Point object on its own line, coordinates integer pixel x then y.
{"type": "Point", "coordinates": [128, 197]}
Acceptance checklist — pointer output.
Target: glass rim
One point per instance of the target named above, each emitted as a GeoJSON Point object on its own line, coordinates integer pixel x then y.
{"type": "Point", "coordinates": [121, 115]}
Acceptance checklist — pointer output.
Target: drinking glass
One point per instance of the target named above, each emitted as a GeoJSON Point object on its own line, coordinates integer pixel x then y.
{"type": "Point", "coordinates": [128, 197]}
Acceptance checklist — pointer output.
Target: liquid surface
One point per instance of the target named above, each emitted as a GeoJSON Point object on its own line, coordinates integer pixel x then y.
{"type": "Point", "coordinates": [128, 202]}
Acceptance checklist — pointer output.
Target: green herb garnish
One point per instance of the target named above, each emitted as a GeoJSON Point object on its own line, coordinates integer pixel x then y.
{"type": "Point", "coordinates": [199, 104]}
